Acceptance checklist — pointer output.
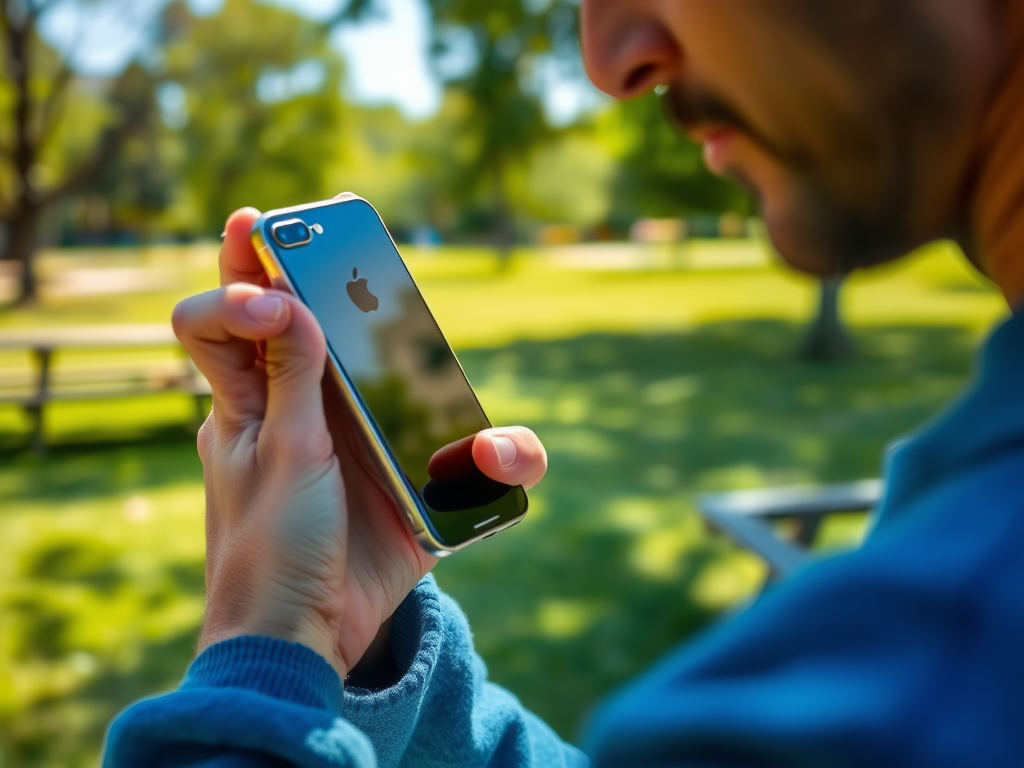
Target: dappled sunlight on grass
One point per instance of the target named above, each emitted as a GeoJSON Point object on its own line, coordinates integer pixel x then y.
{"type": "Point", "coordinates": [841, 532]}
{"type": "Point", "coordinates": [637, 514]}
{"type": "Point", "coordinates": [668, 415]}
{"type": "Point", "coordinates": [728, 580]}
{"type": "Point", "coordinates": [647, 388]}
{"type": "Point", "coordinates": [102, 562]}
{"type": "Point", "coordinates": [563, 619]}
{"type": "Point", "coordinates": [658, 554]}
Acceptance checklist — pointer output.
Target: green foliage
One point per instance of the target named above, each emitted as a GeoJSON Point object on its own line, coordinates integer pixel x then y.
{"type": "Point", "coordinates": [136, 187]}
{"type": "Point", "coordinates": [661, 172]}
{"type": "Point", "coordinates": [501, 117]}
{"type": "Point", "coordinates": [262, 107]}
{"type": "Point", "coordinates": [256, 117]}
{"type": "Point", "coordinates": [375, 155]}
{"type": "Point", "coordinates": [66, 118]}
{"type": "Point", "coordinates": [646, 387]}
{"type": "Point", "coordinates": [569, 180]}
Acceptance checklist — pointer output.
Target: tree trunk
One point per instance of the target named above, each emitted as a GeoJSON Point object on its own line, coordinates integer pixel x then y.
{"type": "Point", "coordinates": [22, 248]}
{"type": "Point", "coordinates": [827, 338]}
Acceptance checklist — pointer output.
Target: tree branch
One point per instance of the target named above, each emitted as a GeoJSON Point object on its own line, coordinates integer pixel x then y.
{"type": "Point", "coordinates": [46, 114]}
{"type": "Point", "coordinates": [21, 17]}
{"type": "Point", "coordinates": [356, 11]}
{"type": "Point", "coordinates": [19, 61]}
{"type": "Point", "coordinates": [38, 8]}
{"type": "Point", "coordinates": [106, 150]}
{"type": "Point", "coordinates": [46, 121]}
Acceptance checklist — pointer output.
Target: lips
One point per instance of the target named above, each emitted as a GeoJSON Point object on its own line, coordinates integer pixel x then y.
{"type": "Point", "coordinates": [717, 145]}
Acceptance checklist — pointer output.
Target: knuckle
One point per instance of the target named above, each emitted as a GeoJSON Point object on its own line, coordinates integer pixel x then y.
{"type": "Point", "coordinates": [180, 317]}
{"type": "Point", "coordinates": [295, 369]}
{"type": "Point", "coordinates": [188, 313]}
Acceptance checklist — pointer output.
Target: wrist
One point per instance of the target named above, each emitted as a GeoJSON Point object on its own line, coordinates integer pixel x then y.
{"type": "Point", "coordinates": [377, 669]}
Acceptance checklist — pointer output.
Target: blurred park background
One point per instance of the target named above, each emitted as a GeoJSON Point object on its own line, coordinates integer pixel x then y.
{"type": "Point", "coordinates": [598, 285]}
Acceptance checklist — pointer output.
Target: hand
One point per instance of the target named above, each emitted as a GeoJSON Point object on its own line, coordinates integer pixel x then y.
{"type": "Point", "coordinates": [303, 541]}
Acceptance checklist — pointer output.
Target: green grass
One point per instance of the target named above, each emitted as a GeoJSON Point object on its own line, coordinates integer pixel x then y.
{"type": "Point", "coordinates": [647, 388]}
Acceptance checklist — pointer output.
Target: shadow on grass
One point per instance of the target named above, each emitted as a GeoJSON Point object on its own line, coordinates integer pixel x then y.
{"type": "Point", "coordinates": [612, 567]}
{"type": "Point", "coordinates": [76, 616]}
{"type": "Point", "coordinates": [635, 426]}
{"type": "Point", "coordinates": [98, 466]}
{"type": "Point", "coordinates": [70, 592]}
{"type": "Point", "coordinates": [68, 731]}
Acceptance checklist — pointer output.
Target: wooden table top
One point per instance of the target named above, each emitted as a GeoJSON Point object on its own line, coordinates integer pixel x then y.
{"type": "Point", "coordinates": [137, 335]}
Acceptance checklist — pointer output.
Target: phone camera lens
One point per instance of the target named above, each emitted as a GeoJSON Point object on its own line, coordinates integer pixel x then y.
{"type": "Point", "coordinates": [291, 233]}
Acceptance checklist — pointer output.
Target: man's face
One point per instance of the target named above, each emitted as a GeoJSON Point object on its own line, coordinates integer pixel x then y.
{"type": "Point", "coordinates": [851, 122]}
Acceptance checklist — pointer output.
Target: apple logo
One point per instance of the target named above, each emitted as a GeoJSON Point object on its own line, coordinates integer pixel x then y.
{"type": "Point", "coordinates": [360, 294]}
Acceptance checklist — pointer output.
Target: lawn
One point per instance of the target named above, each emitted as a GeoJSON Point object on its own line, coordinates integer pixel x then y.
{"type": "Point", "coordinates": [647, 386]}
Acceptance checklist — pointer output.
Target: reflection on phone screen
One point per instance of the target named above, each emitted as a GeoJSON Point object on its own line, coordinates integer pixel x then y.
{"type": "Point", "coordinates": [382, 333]}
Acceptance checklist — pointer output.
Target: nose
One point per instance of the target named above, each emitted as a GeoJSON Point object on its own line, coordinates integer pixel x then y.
{"type": "Point", "coordinates": [626, 49]}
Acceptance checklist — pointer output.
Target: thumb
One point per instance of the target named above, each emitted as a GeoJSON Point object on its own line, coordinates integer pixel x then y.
{"type": "Point", "coordinates": [510, 455]}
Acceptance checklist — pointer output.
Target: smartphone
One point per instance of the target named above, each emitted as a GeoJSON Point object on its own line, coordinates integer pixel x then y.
{"type": "Point", "coordinates": [392, 366]}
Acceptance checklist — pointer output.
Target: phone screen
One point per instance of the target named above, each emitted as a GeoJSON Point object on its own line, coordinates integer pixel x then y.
{"type": "Point", "coordinates": [388, 344]}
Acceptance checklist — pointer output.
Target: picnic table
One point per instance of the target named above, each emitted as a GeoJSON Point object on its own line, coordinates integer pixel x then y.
{"type": "Point", "coordinates": [127, 377]}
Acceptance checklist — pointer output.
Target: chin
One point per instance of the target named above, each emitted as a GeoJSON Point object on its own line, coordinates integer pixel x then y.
{"type": "Point", "coordinates": [797, 246]}
{"type": "Point", "coordinates": [820, 237]}
{"type": "Point", "coordinates": [798, 226]}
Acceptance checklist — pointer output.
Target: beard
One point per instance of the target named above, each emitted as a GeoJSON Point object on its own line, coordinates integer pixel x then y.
{"type": "Point", "coordinates": [823, 233]}
{"type": "Point", "coordinates": [828, 228]}
{"type": "Point", "coordinates": [851, 206]}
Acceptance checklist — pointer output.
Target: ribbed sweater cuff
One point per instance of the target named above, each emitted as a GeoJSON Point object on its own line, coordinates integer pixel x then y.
{"type": "Point", "coordinates": [278, 668]}
{"type": "Point", "coordinates": [416, 642]}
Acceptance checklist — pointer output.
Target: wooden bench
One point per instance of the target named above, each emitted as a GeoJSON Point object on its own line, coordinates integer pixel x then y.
{"type": "Point", "coordinates": [747, 517]}
{"type": "Point", "coordinates": [33, 390]}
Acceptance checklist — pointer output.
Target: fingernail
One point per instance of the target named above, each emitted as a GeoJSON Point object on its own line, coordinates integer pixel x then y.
{"type": "Point", "coordinates": [506, 450]}
{"type": "Point", "coordinates": [264, 309]}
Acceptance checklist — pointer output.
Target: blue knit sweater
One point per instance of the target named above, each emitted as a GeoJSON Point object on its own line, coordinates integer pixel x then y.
{"type": "Point", "coordinates": [907, 652]}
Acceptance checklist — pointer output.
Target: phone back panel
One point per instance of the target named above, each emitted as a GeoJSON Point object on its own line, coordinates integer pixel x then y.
{"type": "Point", "coordinates": [397, 361]}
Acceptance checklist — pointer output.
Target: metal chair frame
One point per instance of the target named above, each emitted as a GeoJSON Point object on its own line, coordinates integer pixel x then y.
{"type": "Point", "coordinates": [747, 516]}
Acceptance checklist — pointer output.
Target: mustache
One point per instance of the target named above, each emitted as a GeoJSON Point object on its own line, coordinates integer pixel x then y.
{"type": "Point", "coordinates": [688, 107]}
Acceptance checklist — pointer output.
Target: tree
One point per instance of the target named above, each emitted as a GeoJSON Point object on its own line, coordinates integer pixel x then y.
{"type": "Point", "coordinates": [260, 109]}
{"type": "Point", "coordinates": [500, 44]}
{"type": "Point", "coordinates": [662, 172]}
{"type": "Point", "coordinates": [377, 155]}
{"type": "Point", "coordinates": [569, 180]}
{"type": "Point", "coordinates": [40, 87]}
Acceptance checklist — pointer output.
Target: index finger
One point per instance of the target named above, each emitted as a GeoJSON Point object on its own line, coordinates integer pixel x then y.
{"type": "Point", "coordinates": [238, 260]}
